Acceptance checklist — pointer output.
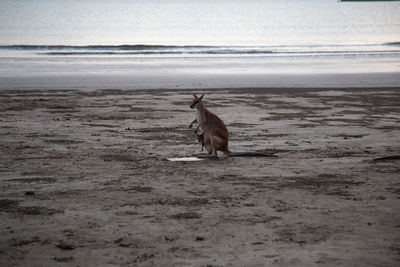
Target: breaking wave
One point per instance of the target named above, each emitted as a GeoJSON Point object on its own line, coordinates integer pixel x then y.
{"type": "Point", "coordinates": [193, 50]}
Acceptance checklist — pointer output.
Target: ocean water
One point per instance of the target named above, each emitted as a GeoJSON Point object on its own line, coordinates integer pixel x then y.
{"type": "Point", "coordinates": [73, 38]}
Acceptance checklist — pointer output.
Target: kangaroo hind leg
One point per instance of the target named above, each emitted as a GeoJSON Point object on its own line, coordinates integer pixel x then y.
{"type": "Point", "coordinates": [211, 147]}
{"type": "Point", "coordinates": [215, 142]}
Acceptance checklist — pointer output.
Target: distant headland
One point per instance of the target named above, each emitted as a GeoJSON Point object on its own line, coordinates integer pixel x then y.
{"type": "Point", "coordinates": [367, 0]}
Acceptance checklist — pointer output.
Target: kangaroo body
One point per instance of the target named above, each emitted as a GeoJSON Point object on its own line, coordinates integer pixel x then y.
{"type": "Point", "coordinates": [215, 136]}
{"type": "Point", "coordinates": [212, 132]}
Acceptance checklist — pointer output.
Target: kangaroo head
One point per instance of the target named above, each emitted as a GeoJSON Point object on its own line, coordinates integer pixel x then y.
{"type": "Point", "coordinates": [196, 101]}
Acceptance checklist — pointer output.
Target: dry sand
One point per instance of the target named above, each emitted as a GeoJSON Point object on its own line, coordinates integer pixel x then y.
{"type": "Point", "coordinates": [85, 180]}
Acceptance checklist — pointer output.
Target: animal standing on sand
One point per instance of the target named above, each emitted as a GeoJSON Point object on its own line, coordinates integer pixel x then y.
{"type": "Point", "coordinates": [214, 135]}
{"type": "Point", "coordinates": [200, 137]}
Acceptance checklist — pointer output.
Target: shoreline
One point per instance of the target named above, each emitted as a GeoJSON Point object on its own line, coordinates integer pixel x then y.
{"type": "Point", "coordinates": [190, 91]}
{"type": "Point", "coordinates": [205, 81]}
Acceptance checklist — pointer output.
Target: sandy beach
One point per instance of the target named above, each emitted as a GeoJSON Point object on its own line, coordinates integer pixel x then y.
{"type": "Point", "coordinates": [85, 179]}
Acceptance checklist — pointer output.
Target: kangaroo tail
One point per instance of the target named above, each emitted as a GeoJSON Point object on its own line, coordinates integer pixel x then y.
{"type": "Point", "coordinates": [226, 151]}
{"type": "Point", "coordinates": [251, 154]}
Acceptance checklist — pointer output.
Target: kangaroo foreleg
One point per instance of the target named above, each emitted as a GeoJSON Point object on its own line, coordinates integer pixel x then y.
{"type": "Point", "coordinates": [191, 125]}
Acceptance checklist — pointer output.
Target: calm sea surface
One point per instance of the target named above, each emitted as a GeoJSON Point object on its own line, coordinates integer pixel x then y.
{"type": "Point", "coordinates": [198, 22]}
{"type": "Point", "coordinates": [97, 37]}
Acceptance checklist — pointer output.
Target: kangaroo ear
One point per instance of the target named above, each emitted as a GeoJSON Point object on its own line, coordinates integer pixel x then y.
{"type": "Point", "coordinates": [195, 96]}
{"type": "Point", "coordinates": [201, 97]}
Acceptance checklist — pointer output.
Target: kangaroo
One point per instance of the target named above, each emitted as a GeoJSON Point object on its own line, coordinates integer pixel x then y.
{"type": "Point", "coordinates": [214, 136]}
{"type": "Point", "coordinates": [200, 137]}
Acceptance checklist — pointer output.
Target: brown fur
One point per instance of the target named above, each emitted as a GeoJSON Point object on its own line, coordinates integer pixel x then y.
{"type": "Point", "coordinates": [200, 137]}
{"type": "Point", "coordinates": [215, 134]}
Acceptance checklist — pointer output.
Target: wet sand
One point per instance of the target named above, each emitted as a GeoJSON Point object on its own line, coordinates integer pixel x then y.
{"type": "Point", "coordinates": [206, 77]}
{"type": "Point", "coordinates": [85, 179]}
